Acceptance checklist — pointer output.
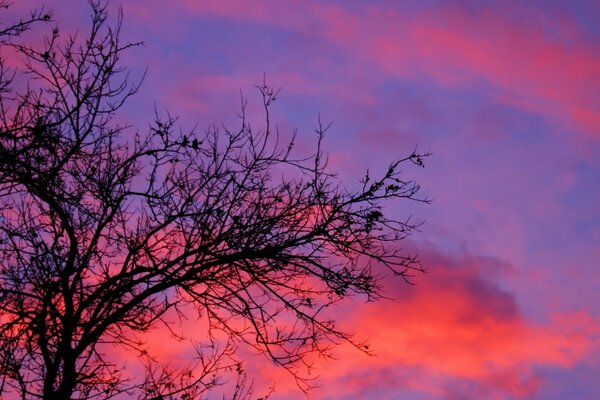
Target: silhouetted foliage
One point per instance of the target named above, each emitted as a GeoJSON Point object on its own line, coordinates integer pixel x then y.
{"type": "Point", "coordinates": [106, 232]}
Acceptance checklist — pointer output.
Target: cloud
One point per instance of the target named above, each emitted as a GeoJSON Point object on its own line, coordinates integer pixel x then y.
{"type": "Point", "coordinates": [456, 334]}
{"type": "Point", "coordinates": [525, 59]}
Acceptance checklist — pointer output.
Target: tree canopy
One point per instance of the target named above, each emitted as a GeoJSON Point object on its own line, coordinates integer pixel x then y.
{"type": "Point", "coordinates": [107, 231]}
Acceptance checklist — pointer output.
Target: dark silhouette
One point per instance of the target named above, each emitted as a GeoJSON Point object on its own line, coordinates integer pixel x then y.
{"type": "Point", "coordinates": [106, 232]}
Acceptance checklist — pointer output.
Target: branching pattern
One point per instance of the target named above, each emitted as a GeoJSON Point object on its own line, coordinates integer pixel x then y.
{"type": "Point", "coordinates": [104, 232]}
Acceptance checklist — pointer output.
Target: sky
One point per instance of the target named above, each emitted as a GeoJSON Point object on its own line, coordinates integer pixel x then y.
{"type": "Point", "coordinates": [505, 94]}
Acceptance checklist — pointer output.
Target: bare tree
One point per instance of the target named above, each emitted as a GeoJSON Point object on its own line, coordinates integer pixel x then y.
{"type": "Point", "coordinates": [106, 232]}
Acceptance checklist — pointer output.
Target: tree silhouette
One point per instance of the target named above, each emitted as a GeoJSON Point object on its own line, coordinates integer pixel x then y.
{"type": "Point", "coordinates": [106, 232]}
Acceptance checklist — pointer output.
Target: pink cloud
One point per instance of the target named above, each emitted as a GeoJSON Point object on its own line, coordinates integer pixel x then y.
{"type": "Point", "coordinates": [529, 63]}
{"type": "Point", "coordinates": [456, 333]}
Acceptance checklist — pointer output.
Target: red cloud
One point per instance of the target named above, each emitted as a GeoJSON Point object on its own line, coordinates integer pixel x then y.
{"type": "Point", "coordinates": [456, 334]}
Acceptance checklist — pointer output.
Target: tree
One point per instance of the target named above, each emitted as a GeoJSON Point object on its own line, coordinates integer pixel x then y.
{"type": "Point", "coordinates": [106, 232]}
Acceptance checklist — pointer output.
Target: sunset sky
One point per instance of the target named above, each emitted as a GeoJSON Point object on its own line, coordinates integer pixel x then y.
{"type": "Point", "coordinates": [505, 94]}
